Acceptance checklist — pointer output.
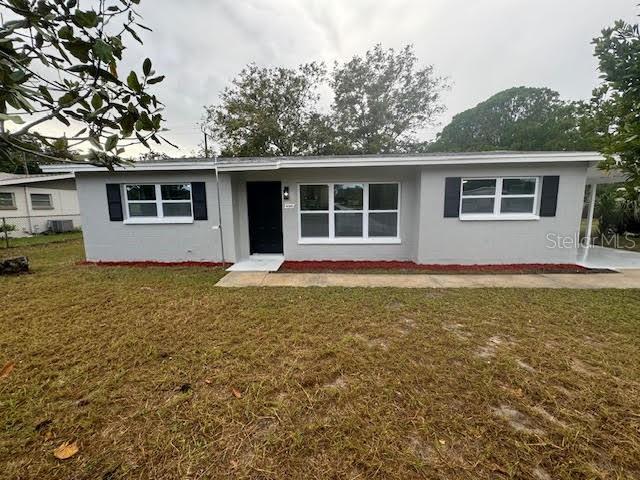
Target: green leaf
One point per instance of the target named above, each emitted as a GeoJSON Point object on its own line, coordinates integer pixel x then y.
{"type": "Point", "coordinates": [17, 76]}
{"type": "Point", "coordinates": [62, 119]}
{"type": "Point", "coordinates": [146, 66]}
{"type": "Point", "coordinates": [78, 49]}
{"type": "Point", "coordinates": [88, 19]}
{"type": "Point", "coordinates": [103, 51]}
{"type": "Point", "coordinates": [67, 98]}
{"type": "Point", "coordinates": [95, 141]}
{"type": "Point", "coordinates": [151, 81]}
{"type": "Point", "coordinates": [66, 32]}
{"type": "Point", "coordinates": [111, 142]}
{"type": "Point", "coordinates": [11, 118]}
{"type": "Point", "coordinates": [96, 102]}
{"type": "Point", "coordinates": [133, 33]}
{"type": "Point", "coordinates": [132, 81]}
{"type": "Point", "coordinates": [45, 93]}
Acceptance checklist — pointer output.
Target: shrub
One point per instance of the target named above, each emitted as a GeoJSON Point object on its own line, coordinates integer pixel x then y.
{"type": "Point", "coordinates": [7, 227]}
{"type": "Point", "coordinates": [616, 213]}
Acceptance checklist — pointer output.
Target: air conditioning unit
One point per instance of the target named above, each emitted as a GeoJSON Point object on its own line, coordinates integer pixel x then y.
{"type": "Point", "coordinates": [60, 226]}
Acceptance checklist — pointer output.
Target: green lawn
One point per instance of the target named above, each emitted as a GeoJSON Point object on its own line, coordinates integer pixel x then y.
{"type": "Point", "coordinates": [37, 240]}
{"type": "Point", "coordinates": [158, 374]}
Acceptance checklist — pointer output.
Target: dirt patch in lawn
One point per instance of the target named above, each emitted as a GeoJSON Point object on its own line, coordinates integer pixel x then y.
{"type": "Point", "coordinates": [156, 373]}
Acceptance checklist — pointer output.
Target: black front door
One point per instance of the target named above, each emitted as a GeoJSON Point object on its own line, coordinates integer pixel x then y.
{"type": "Point", "coordinates": [265, 217]}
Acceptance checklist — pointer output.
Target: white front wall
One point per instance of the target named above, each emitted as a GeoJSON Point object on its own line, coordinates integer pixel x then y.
{"type": "Point", "coordinates": [425, 235]}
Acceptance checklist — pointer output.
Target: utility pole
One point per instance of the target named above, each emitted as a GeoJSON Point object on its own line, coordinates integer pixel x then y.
{"type": "Point", "coordinates": [206, 148]}
{"type": "Point", "coordinates": [24, 164]}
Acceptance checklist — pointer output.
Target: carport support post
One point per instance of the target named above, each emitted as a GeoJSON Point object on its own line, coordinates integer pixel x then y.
{"type": "Point", "coordinates": [592, 206]}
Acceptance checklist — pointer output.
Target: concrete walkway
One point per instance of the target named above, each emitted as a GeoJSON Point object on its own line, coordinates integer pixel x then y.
{"type": "Point", "coordinates": [625, 279]}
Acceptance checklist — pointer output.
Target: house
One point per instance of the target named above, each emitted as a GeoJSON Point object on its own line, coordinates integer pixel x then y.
{"type": "Point", "coordinates": [30, 203]}
{"type": "Point", "coordinates": [454, 208]}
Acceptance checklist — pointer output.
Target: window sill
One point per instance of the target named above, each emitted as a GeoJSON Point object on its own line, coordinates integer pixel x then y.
{"type": "Point", "coordinates": [349, 241]}
{"type": "Point", "coordinates": [157, 220]}
{"type": "Point", "coordinates": [465, 218]}
{"type": "Point", "coordinates": [8, 208]}
{"type": "Point", "coordinates": [41, 208]}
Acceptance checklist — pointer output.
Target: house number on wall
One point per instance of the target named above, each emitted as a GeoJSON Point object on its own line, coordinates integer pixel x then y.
{"type": "Point", "coordinates": [289, 205]}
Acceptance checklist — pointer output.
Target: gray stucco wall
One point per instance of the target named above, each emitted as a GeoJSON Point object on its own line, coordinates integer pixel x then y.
{"type": "Point", "coordinates": [409, 208]}
{"type": "Point", "coordinates": [115, 241]}
{"type": "Point", "coordinates": [426, 236]}
{"type": "Point", "coordinates": [451, 240]}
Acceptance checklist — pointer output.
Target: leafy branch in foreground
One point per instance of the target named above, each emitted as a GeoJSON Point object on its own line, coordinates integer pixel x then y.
{"type": "Point", "coordinates": [59, 68]}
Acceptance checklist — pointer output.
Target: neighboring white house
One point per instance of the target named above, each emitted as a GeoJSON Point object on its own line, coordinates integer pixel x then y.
{"type": "Point", "coordinates": [455, 208]}
{"type": "Point", "coordinates": [30, 203]}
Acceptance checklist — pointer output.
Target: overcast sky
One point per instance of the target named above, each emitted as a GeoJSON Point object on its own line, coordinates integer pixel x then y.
{"type": "Point", "coordinates": [483, 46]}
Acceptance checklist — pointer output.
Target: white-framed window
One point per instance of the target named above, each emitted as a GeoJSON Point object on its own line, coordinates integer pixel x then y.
{"type": "Point", "coordinates": [7, 201]}
{"type": "Point", "coordinates": [508, 198]}
{"type": "Point", "coordinates": [349, 212]}
{"type": "Point", "coordinates": [158, 203]}
{"type": "Point", "coordinates": [41, 201]}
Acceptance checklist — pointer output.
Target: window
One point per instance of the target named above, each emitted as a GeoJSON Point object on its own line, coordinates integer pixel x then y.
{"type": "Point", "coordinates": [501, 198]}
{"type": "Point", "coordinates": [349, 213]}
{"type": "Point", "coordinates": [7, 200]}
{"type": "Point", "coordinates": [41, 201]}
{"type": "Point", "coordinates": [149, 203]}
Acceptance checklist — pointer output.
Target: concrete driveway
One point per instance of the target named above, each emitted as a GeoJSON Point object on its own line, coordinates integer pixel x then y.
{"type": "Point", "coordinates": [612, 258]}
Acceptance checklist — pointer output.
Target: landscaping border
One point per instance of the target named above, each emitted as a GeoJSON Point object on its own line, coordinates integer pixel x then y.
{"type": "Point", "coordinates": [144, 264]}
{"type": "Point", "coordinates": [412, 267]}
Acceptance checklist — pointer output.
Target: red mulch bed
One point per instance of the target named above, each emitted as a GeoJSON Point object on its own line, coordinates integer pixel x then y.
{"type": "Point", "coordinates": [411, 267]}
{"type": "Point", "coordinates": [151, 264]}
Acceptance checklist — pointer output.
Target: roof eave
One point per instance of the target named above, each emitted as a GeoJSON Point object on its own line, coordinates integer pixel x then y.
{"type": "Point", "coordinates": [24, 180]}
{"type": "Point", "coordinates": [330, 162]}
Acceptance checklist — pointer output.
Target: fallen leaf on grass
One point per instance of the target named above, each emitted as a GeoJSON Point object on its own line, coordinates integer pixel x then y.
{"type": "Point", "coordinates": [207, 381]}
{"type": "Point", "coordinates": [49, 435]}
{"type": "Point", "coordinates": [6, 370]}
{"type": "Point", "coordinates": [66, 450]}
{"type": "Point", "coordinates": [236, 393]}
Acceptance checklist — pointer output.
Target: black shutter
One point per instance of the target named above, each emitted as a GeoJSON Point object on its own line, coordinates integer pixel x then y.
{"type": "Point", "coordinates": [199, 195]}
{"type": "Point", "coordinates": [452, 196]}
{"type": "Point", "coordinates": [114, 201]}
{"type": "Point", "coordinates": [549, 196]}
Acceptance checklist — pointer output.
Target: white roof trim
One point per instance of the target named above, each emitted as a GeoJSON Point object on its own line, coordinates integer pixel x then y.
{"type": "Point", "coordinates": [141, 167]}
{"type": "Point", "coordinates": [35, 179]}
{"type": "Point", "coordinates": [240, 164]}
{"type": "Point", "coordinates": [276, 163]}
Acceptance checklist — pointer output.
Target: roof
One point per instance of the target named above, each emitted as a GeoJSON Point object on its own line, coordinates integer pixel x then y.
{"type": "Point", "coordinates": [15, 179]}
{"type": "Point", "coordinates": [238, 164]}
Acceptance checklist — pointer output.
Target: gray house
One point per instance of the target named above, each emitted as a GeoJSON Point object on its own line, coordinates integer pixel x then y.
{"type": "Point", "coordinates": [463, 208]}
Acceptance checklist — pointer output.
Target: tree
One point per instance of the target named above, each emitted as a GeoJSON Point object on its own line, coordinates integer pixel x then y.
{"type": "Point", "coordinates": [59, 66]}
{"type": "Point", "coordinates": [519, 118]}
{"type": "Point", "coordinates": [617, 100]}
{"type": "Point", "coordinates": [268, 111]}
{"type": "Point", "coordinates": [382, 100]}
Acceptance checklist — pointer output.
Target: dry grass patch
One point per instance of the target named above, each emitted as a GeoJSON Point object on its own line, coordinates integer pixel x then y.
{"type": "Point", "coordinates": [158, 374]}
